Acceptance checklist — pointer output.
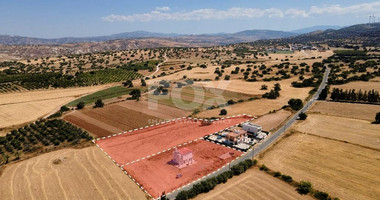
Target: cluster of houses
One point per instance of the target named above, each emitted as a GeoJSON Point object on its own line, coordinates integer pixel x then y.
{"type": "Point", "coordinates": [295, 47]}
{"type": "Point", "coordinates": [241, 138]}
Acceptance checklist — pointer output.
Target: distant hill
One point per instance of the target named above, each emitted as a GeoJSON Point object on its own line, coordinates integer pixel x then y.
{"type": "Point", "coordinates": [361, 34]}
{"type": "Point", "coordinates": [315, 28]}
{"type": "Point", "coordinates": [20, 40]}
{"type": "Point", "coordinates": [220, 38]}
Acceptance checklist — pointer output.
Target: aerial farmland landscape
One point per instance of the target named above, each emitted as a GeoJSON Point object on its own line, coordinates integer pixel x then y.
{"type": "Point", "coordinates": [182, 100]}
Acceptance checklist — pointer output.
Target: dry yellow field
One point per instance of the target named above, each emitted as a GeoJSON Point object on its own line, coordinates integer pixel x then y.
{"type": "Point", "coordinates": [82, 174]}
{"type": "Point", "coordinates": [357, 85]}
{"type": "Point", "coordinates": [354, 131]}
{"type": "Point", "coordinates": [271, 121]}
{"type": "Point", "coordinates": [350, 110]}
{"type": "Point", "coordinates": [260, 106]}
{"type": "Point", "coordinates": [253, 184]}
{"type": "Point", "coordinates": [23, 107]}
{"type": "Point", "coordinates": [343, 170]}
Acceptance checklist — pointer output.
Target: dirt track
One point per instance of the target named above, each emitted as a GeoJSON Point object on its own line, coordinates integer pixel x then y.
{"type": "Point", "coordinates": [82, 174]}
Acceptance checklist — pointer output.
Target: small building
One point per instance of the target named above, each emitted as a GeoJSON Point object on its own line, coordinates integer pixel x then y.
{"type": "Point", "coordinates": [236, 137]}
{"type": "Point", "coordinates": [252, 128]}
{"type": "Point", "coordinates": [183, 157]}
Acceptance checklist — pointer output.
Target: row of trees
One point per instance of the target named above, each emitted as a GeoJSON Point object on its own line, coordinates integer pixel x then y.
{"type": "Point", "coordinates": [209, 184]}
{"type": "Point", "coordinates": [303, 187]}
{"type": "Point", "coordinates": [371, 96]}
{"type": "Point", "coordinates": [42, 133]}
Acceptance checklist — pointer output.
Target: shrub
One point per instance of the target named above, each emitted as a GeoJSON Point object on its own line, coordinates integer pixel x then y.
{"type": "Point", "coordinates": [304, 187]}
{"type": "Point", "coordinates": [264, 87]}
{"type": "Point", "coordinates": [223, 112]}
{"type": "Point", "coordinates": [377, 118]}
{"type": "Point", "coordinates": [302, 116]}
{"type": "Point", "coordinates": [222, 178]}
{"type": "Point", "coordinates": [230, 102]}
{"type": "Point", "coordinates": [237, 169]}
{"type": "Point", "coordinates": [277, 174]}
{"type": "Point", "coordinates": [321, 195]}
{"type": "Point", "coordinates": [55, 115]}
{"type": "Point", "coordinates": [183, 195]}
{"type": "Point", "coordinates": [99, 104]}
{"type": "Point", "coordinates": [64, 109]}
{"type": "Point", "coordinates": [295, 104]}
{"type": "Point", "coordinates": [80, 105]}
{"type": "Point", "coordinates": [136, 94]}
{"type": "Point", "coordinates": [263, 168]}
{"type": "Point", "coordinates": [227, 77]}
{"type": "Point", "coordinates": [287, 178]}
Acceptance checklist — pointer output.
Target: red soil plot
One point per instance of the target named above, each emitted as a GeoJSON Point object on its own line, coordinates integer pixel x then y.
{"type": "Point", "coordinates": [156, 175]}
{"type": "Point", "coordinates": [129, 147]}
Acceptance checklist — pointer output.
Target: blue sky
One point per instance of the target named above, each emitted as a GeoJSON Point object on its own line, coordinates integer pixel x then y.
{"type": "Point", "coordinates": [61, 18]}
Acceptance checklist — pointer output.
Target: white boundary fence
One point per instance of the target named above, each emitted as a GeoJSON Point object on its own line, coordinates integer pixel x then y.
{"type": "Point", "coordinates": [218, 171]}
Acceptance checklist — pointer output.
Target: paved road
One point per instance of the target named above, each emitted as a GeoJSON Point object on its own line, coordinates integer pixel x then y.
{"type": "Point", "coordinates": [267, 142]}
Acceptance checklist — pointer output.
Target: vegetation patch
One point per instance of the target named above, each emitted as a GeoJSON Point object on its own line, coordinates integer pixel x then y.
{"type": "Point", "coordinates": [108, 93]}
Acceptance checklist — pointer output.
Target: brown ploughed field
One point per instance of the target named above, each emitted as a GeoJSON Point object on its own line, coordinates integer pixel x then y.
{"type": "Point", "coordinates": [110, 119]}
{"type": "Point", "coordinates": [157, 175]}
{"type": "Point", "coordinates": [68, 174]}
{"type": "Point", "coordinates": [129, 147]}
{"type": "Point", "coordinates": [253, 184]}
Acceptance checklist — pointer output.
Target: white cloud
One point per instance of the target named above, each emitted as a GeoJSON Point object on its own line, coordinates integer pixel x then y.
{"type": "Point", "coordinates": [165, 8]}
{"type": "Point", "coordinates": [161, 13]}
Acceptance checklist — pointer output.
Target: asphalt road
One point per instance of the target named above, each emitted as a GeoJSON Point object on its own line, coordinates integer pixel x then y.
{"type": "Point", "coordinates": [267, 142]}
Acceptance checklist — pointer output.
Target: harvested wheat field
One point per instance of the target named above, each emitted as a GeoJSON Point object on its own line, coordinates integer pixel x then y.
{"type": "Point", "coordinates": [357, 85]}
{"type": "Point", "coordinates": [68, 174]}
{"type": "Point", "coordinates": [343, 170]}
{"type": "Point", "coordinates": [256, 107]}
{"type": "Point", "coordinates": [254, 88]}
{"type": "Point", "coordinates": [110, 119]}
{"type": "Point", "coordinates": [271, 121]}
{"type": "Point", "coordinates": [350, 110]}
{"type": "Point", "coordinates": [22, 107]}
{"type": "Point", "coordinates": [355, 131]}
{"type": "Point", "coordinates": [253, 184]}
{"type": "Point", "coordinates": [260, 106]}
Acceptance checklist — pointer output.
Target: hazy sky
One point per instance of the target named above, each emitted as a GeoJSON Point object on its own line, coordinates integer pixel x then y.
{"type": "Point", "coordinates": [61, 18]}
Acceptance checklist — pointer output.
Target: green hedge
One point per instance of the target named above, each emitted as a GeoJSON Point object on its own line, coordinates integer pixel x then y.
{"type": "Point", "coordinates": [210, 183]}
